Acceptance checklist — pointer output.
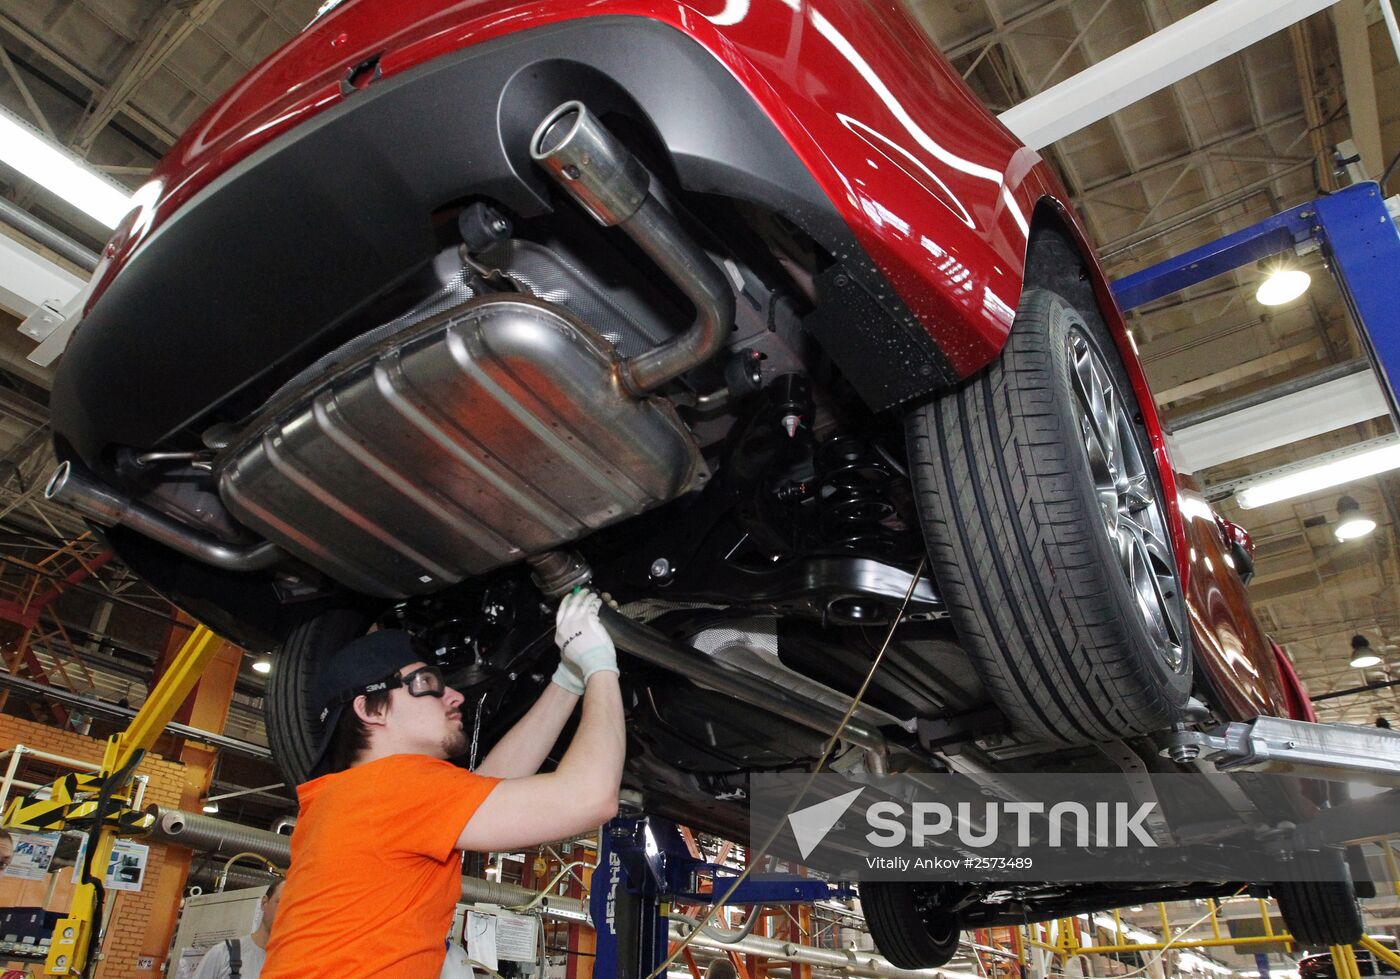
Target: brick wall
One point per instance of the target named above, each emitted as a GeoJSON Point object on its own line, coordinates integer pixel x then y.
{"type": "Point", "coordinates": [129, 932]}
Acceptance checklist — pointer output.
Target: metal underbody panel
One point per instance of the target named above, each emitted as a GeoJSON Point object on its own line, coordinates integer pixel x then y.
{"type": "Point", "coordinates": [489, 433]}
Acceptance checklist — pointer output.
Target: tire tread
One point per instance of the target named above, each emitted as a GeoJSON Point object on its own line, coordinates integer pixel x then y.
{"type": "Point", "coordinates": [1008, 530]}
{"type": "Point", "coordinates": [292, 727]}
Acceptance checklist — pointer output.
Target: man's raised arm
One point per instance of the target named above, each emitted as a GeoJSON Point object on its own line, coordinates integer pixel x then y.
{"type": "Point", "coordinates": [526, 745]}
{"type": "Point", "coordinates": [582, 791]}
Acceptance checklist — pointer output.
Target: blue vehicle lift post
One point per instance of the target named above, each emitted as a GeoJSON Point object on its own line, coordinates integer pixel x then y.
{"type": "Point", "coordinates": [643, 866]}
{"type": "Point", "coordinates": [1359, 242]}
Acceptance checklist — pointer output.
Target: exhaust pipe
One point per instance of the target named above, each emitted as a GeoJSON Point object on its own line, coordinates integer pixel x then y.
{"type": "Point", "coordinates": [649, 645]}
{"type": "Point", "coordinates": [612, 185]}
{"type": "Point", "coordinates": [110, 508]}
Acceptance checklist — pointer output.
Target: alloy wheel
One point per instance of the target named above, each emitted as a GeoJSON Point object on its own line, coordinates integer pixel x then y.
{"type": "Point", "coordinates": [1128, 502]}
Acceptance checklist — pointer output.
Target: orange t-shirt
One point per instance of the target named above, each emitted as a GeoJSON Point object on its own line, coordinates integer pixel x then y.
{"type": "Point", "coordinates": [375, 871]}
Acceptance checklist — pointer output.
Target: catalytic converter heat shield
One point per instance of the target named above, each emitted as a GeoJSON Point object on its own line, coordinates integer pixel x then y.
{"type": "Point", "coordinates": [494, 431]}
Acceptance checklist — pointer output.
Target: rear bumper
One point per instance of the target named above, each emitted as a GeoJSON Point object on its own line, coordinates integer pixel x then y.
{"type": "Point", "coordinates": [287, 253]}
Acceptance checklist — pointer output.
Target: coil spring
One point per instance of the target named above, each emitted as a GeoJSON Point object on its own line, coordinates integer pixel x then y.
{"type": "Point", "coordinates": [854, 496]}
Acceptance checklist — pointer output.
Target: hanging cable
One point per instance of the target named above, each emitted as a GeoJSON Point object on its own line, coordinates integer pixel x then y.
{"type": "Point", "coordinates": [756, 856]}
{"type": "Point", "coordinates": [726, 936]}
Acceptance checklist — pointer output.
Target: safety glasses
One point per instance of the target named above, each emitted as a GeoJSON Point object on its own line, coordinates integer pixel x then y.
{"type": "Point", "coordinates": [426, 681]}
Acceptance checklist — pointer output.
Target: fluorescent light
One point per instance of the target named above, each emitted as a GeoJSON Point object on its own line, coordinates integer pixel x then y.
{"type": "Point", "coordinates": [29, 152]}
{"type": "Point", "coordinates": [1321, 477]}
{"type": "Point", "coordinates": [1283, 286]}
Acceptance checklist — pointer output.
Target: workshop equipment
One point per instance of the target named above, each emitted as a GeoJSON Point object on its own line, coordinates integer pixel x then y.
{"type": "Point", "coordinates": [100, 804]}
{"type": "Point", "coordinates": [644, 866]}
{"type": "Point", "coordinates": [1356, 232]}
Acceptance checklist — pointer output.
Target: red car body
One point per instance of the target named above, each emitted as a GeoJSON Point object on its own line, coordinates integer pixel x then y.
{"type": "Point", "coordinates": [940, 197]}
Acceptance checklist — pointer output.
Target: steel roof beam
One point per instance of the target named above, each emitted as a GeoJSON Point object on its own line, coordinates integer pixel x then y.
{"type": "Point", "coordinates": [1359, 80]}
{"type": "Point", "coordinates": [1003, 29]}
{"type": "Point", "coordinates": [1194, 156]}
{"type": "Point", "coordinates": [1281, 420]}
{"type": "Point", "coordinates": [1200, 39]}
{"type": "Point", "coordinates": [91, 82]}
{"type": "Point", "coordinates": [177, 21]}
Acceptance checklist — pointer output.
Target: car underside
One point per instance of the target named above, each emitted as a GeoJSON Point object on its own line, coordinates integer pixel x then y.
{"type": "Point", "coordinates": [444, 379]}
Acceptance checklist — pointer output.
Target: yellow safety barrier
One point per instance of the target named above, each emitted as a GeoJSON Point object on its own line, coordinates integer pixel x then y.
{"type": "Point", "coordinates": [1062, 937]}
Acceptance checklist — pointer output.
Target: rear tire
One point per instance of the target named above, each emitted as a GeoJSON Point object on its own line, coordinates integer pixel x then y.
{"type": "Point", "coordinates": [906, 925]}
{"type": "Point", "coordinates": [293, 728]}
{"type": "Point", "coordinates": [1319, 913]}
{"type": "Point", "coordinates": [1043, 514]}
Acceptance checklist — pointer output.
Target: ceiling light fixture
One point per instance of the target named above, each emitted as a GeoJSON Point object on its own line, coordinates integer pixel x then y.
{"type": "Point", "coordinates": [1311, 479]}
{"type": "Point", "coordinates": [48, 165]}
{"type": "Point", "coordinates": [1362, 655]}
{"type": "Point", "coordinates": [210, 806]}
{"type": "Point", "coordinates": [263, 664]}
{"type": "Point", "coordinates": [1282, 283]}
{"type": "Point", "coordinates": [1351, 522]}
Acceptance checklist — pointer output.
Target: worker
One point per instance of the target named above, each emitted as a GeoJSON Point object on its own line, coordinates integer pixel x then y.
{"type": "Point", "coordinates": [376, 853]}
{"type": "Point", "coordinates": [242, 958]}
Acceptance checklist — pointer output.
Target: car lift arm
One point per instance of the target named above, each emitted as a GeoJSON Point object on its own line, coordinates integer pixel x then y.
{"type": "Point", "coordinates": [100, 803]}
{"type": "Point", "coordinates": [1276, 744]}
{"type": "Point", "coordinates": [1358, 237]}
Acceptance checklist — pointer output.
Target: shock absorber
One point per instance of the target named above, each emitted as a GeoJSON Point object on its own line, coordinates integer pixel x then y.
{"type": "Point", "coordinates": [854, 496]}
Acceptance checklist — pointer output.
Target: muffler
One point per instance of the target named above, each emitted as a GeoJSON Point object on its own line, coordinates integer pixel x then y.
{"type": "Point", "coordinates": [492, 433]}
{"type": "Point", "coordinates": [485, 435]}
{"type": "Point", "coordinates": [598, 172]}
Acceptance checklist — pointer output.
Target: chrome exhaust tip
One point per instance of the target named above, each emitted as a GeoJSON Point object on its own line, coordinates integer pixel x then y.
{"type": "Point", "coordinates": [91, 499]}
{"type": "Point", "coordinates": [592, 165]}
{"type": "Point", "coordinates": [611, 184]}
{"type": "Point", "coordinates": [54, 488]}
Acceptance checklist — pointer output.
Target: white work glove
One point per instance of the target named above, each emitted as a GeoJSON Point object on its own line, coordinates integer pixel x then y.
{"type": "Point", "coordinates": [584, 645]}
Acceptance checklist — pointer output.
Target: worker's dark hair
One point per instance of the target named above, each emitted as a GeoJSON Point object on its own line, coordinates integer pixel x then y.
{"type": "Point", "coordinates": [352, 734]}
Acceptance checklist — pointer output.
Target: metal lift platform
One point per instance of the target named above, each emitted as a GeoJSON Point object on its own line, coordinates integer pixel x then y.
{"type": "Point", "coordinates": [1279, 745]}
{"type": "Point", "coordinates": [101, 805]}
